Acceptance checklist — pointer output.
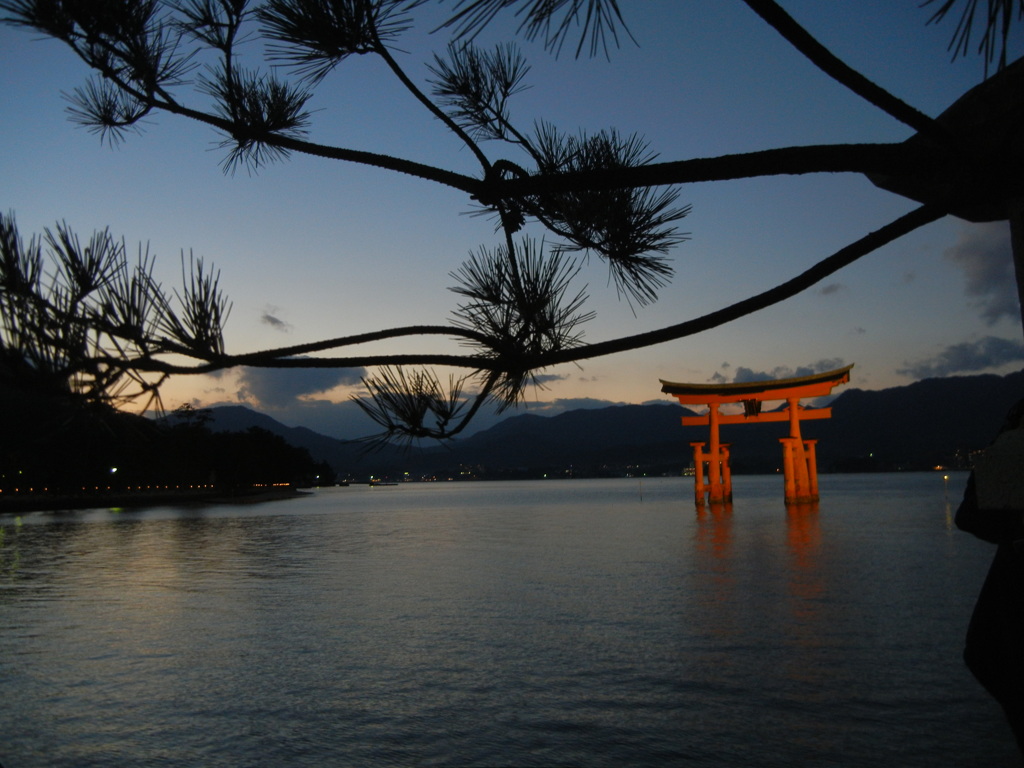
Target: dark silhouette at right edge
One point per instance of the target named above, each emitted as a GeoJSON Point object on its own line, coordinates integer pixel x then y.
{"type": "Point", "coordinates": [993, 510]}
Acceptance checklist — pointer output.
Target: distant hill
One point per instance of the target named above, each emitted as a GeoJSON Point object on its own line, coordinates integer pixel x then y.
{"type": "Point", "coordinates": [929, 423]}
{"type": "Point", "coordinates": [616, 436]}
{"type": "Point", "coordinates": [238, 418]}
{"type": "Point", "coordinates": [343, 455]}
{"type": "Point", "coordinates": [921, 425]}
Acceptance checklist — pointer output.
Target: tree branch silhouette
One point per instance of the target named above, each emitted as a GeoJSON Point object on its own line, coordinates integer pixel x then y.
{"type": "Point", "coordinates": [597, 194]}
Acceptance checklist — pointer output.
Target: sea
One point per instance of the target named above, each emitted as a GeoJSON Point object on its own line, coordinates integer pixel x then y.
{"type": "Point", "coordinates": [536, 623]}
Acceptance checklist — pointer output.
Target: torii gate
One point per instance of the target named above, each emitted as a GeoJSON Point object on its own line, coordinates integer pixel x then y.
{"type": "Point", "coordinates": [800, 466]}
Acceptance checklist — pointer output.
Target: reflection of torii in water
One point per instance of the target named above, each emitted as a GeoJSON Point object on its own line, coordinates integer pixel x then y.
{"type": "Point", "coordinates": [799, 460]}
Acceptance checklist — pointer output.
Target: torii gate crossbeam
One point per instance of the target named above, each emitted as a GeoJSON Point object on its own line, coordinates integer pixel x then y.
{"type": "Point", "coordinates": [799, 458]}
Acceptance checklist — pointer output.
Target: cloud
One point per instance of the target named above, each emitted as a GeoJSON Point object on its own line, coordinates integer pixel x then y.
{"type": "Point", "coordinates": [277, 388]}
{"type": "Point", "coordinates": [748, 374]}
{"type": "Point", "coordinates": [269, 317]}
{"type": "Point", "coordinates": [831, 288]}
{"type": "Point", "coordinates": [983, 253]}
{"type": "Point", "coordinates": [968, 357]}
{"type": "Point", "coordinates": [543, 379]}
{"type": "Point", "coordinates": [744, 374]}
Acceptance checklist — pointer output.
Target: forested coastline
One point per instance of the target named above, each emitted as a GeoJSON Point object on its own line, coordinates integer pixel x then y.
{"type": "Point", "coordinates": [59, 453]}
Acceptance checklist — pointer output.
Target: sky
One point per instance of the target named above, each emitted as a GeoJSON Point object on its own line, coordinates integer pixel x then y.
{"type": "Point", "coordinates": [310, 249]}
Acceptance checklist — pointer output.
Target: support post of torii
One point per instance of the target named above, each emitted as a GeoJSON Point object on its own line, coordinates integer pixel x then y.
{"type": "Point", "coordinates": [799, 456]}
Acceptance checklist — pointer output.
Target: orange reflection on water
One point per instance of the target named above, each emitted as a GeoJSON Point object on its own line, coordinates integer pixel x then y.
{"type": "Point", "coordinates": [715, 581]}
{"type": "Point", "coordinates": [806, 588]}
{"type": "Point", "coordinates": [714, 530]}
{"type": "Point", "coordinates": [803, 534]}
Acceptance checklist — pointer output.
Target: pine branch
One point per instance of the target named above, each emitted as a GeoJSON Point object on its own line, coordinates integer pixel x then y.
{"type": "Point", "coordinates": [997, 23]}
{"type": "Point", "coordinates": [835, 68]}
{"type": "Point", "coordinates": [599, 21]}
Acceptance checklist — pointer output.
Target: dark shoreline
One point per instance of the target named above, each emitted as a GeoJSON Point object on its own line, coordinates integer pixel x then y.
{"type": "Point", "coordinates": [41, 502]}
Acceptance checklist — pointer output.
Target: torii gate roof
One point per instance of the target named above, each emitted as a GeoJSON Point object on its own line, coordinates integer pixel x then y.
{"type": "Point", "coordinates": [816, 385]}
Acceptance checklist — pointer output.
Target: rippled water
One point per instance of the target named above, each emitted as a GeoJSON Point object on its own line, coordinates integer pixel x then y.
{"type": "Point", "coordinates": [598, 622]}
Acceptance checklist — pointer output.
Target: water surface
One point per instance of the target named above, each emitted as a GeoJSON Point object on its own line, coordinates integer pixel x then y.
{"type": "Point", "coordinates": [597, 622]}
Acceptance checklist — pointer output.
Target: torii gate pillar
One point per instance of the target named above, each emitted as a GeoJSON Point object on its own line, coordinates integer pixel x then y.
{"type": "Point", "coordinates": [712, 477]}
{"type": "Point", "coordinates": [799, 456]}
{"type": "Point", "coordinates": [799, 460]}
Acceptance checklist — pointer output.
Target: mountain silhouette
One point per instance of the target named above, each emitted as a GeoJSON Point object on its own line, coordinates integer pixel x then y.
{"type": "Point", "coordinates": [934, 422]}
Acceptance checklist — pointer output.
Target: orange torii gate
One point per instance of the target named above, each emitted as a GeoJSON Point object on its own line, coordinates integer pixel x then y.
{"type": "Point", "coordinates": [800, 466]}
